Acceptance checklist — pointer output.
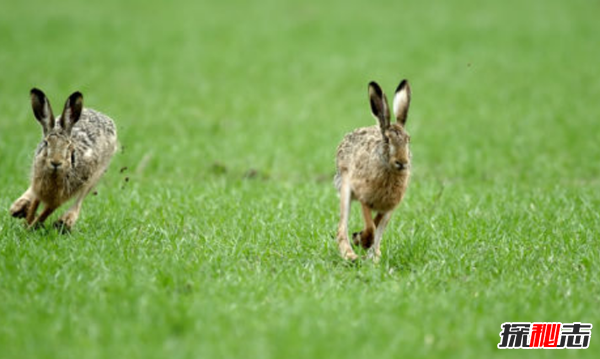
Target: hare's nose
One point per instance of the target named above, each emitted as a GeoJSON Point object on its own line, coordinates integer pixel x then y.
{"type": "Point", "coordinates": [400, 166]}
{"type": "Point", "coordinates": [55, 164]}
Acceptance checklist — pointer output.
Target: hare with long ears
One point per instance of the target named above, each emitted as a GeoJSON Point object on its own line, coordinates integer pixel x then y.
{"type": "Point", "coordinates": [75, 151]}
{"type": "Point", "coordinates": [373, 167]}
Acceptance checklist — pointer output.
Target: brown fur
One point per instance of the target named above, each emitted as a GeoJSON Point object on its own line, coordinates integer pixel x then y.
{"type": "Point", "coordinates": [74, 153]}
{"type": "Point", "coordinates": [373, 167]}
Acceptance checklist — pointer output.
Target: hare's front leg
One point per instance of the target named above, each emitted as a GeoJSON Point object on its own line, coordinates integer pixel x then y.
{"type": "Point", "coordinates": [32, 210]}
{"type": "Point", "coordinates": [342, 235]}
{"type": "Point", "coordinates": [67, 220]}
{"type": "Point", "coordinates": [20, 208]}
{"type": "Point", "coordinates": [39, 220]}
{"type": "Point", "coordinates": [364, 238]}
{"type": "Point", "coordinates": [375, 251]}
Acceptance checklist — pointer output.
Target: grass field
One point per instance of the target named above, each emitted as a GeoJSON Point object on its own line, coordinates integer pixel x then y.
{"type": "Point", "coordinates": [217, 240]}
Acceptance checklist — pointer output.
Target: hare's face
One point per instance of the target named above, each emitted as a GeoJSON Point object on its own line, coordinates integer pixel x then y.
{"type": "Point", "coordinates": [55, 154]}
{"type": "Point", "coordinates": [398, 140]}
{"type": "Point", "coordinates": [393, 133]}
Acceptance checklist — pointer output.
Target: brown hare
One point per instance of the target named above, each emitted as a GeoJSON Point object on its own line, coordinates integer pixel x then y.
{"type": "Point", "coordinates": [74, 153]}
{"type": "Point", "coordinates": [373, 167]}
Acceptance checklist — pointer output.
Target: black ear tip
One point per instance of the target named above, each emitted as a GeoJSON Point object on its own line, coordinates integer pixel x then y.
{"type": "Point", "coordinates": [75, 97]}
{"type": "Point", "coordinates": [76, 94]}
{"type": "Point", "coordinates": [402, 85]}
{"type": "Point", "coordinates": [375, 86]}
{"type": "Point", "coordinates": [37, 92]}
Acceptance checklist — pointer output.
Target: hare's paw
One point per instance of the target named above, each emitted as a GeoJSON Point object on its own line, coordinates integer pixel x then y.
{"type": "Point", "coordinates": [347, 253]}
{"type": "Point", "coordinates": [66, 222]}
{"type": "Point", "coordinates": [20, 208]}
{"type": "Point", "coordinates": [350, 256]}
{"type": "Point", "coordinates": [374, 255]}
{"type": "Point", "coordinates": [363, 238]}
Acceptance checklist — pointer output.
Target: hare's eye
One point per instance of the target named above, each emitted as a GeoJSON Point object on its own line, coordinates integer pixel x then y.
{"type": "Point", "coordinates": [45, 143]}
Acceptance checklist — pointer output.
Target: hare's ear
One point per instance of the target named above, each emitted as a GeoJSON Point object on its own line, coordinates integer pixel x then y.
{"type": "Point", "coordinates": [402, 102]}
{"type": "Point", "coordinates": [379, 106]}
{"type": "Point", "coordinates": [42, 110]}
{"type": "Point", "coordinates": [72, 111]}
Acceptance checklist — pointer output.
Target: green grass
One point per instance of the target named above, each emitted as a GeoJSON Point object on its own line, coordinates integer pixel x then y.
{"type": "Point", "coordinates": [221, 242]}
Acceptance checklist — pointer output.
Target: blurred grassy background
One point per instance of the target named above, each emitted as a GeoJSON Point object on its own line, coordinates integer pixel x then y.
{"type": "Point", "coordinates": [229, 113]}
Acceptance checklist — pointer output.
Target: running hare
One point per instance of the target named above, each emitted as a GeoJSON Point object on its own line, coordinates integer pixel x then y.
{"type": "Point", "coordinates": [373, 167]}
{"type": "Point", "coordinates": [74, 153]}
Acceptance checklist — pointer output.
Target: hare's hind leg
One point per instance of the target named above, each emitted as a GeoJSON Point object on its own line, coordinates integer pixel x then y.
{"type": "Point", "coordinates": [365, 237]}
{"type": "Point", "coordinates": [342, 235]}
{"type": "Point", "coordinates": [375, 251]}
{"type": "Point", "coordinates": [20, 208]}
